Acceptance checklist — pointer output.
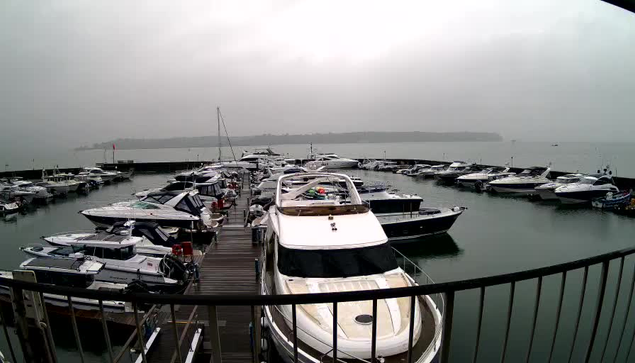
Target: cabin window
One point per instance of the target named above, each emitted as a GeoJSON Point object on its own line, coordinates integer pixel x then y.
{"type": "Point", "coordinates": [63, 279]}
{"type": "Point", "coordinates": [336, 263]}
{"type": "Point", "coordinates": [143, 205]}
{"type": "Point", "coordinates": [187, 205]}
{"type": "Point", "coordinates": [159, 198]}
{"type": "Point", "coordinates": [115, 253]}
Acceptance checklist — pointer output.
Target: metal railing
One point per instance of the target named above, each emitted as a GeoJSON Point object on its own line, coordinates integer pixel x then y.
{"type": "Point", "coordinates": [595, 346]}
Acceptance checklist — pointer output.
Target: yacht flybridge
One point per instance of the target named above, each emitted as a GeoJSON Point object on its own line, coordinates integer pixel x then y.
{"type": "Point", "coordinates": [322, 239]}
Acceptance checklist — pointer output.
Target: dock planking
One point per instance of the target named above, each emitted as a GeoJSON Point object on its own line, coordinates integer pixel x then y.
{"type": "Point", "coordinates": [227, 268]}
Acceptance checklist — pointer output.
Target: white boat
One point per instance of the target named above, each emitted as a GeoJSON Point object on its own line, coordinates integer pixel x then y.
{"type": "Point", "coordinates": [7, 208]}
{"type": "Point", "coordinates": [77, 273]}
{"type": "Point", "coordinates": [524, 183]}
{"type": "Point", "coordinates": [548, 191]}
{"type": "Point", "coordinates": [13, 192]}
{"type": "Point", "coordinates": [55, 187]}
{"type": "Point", "coordinates": [368, 164]}
{"type": "Point", "coordinates": [41, 194]}
{"type": "Point", "coordinates": [208, 191]}
{"type": "Point", "coordinates": [121, 262]}
{"type": "Point", "coordinates": [302, 234]}
{"type": "Point", "coordinates": [148, 238]}
{"type": "Point", "coordinates": [479, 179]}
{"type": "Point", "coordinates": [431, 172]}
{"type": "Point", "coordinates": [106, 176]}
{"type": "Point", "coordinates": [410, 227]}
{"type": "Point", "coordinates": [331, 161]}
{"type": "Point", "coordinates": [415, 170]}
{"type": "Point", "coordinates": [65, 179]}
{"type": "Point", "coordinates": [169, 209]}
{"type": "Point", "coordinates": [587, 189]}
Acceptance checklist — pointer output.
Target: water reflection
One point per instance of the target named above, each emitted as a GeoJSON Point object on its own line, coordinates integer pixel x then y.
{"type": "Point", "coordinates": [440, 246]}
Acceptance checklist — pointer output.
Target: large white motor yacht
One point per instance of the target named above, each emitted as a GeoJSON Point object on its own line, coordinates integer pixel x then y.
{"type": "Point", "coordinates": [332, 161]}
{"type": "Point", "coordinates": [106, 176]}
{"type": "Point", "coordinates": [479, 179]}
{"type": "Point", "coordinates": [319, 242]}
{"type": "Point", "coordinates": [587, 189]}
{"type": "Point", "coordinates": [523, 183]}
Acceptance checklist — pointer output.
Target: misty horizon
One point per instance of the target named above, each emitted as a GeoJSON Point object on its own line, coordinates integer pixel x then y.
{"type": "Point", "coordinates": [78, 73]}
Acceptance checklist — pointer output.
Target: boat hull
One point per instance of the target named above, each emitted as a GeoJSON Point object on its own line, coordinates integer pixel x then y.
{"type": "Point", "coordinates": [582, 197]}
{"type": "Point", "coordinates": [395, 205]}
{"type": "Point", "coordinates": [514, 189]}
{"type": "Point", "coordinates": [403, 228]}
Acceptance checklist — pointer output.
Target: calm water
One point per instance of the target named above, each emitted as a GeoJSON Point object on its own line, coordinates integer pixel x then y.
{"type": "Point", "coordinates": [583, 157]}
{"type": "Point", "coordinates": [495, 235]}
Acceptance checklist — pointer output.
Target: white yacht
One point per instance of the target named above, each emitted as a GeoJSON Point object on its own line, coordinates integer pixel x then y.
{"type": "Point", "coordinates": [416, 169]}
{"type": "Point", "coordinates": [77, 273]}
{"type": "Point", "coordinates": [55, 187]}
{"type": "Point", "coordinates": [169, 209]}
{"type": "Point", "coordinates": [121, 262]}
{"type": "Point", "coordinates": [548, 191]}
{"type": "Point", "coordinates": [106, 176]}
{"type": "Point", "coordinates": [479, 179]}
{"type": "Point", "coordinates": [7, 208]}
{"type": "Point", "coordinates": [332, 161]}
{"type": "Point", "coordinates": [523, 183]}
{"type": "Point", "coordinates": [302, 235]}
{"type": "Point", "coordinates": [431, 172]}
{"type": "Point", "coordinates": [587, 189]}
{"type": "Point", "coordinates": [148, 238]}
{"type": "Point", "coordinates": [13, 192]}
{"type": "Point", "coordinates": [41, 193]}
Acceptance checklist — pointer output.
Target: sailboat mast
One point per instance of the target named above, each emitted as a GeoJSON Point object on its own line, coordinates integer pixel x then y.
{"type": "Point", "coordinates": [219, 137]}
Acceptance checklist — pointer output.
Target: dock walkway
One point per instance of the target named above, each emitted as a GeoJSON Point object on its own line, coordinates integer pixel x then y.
{"type": "Point", "coordinates": [227, 268]}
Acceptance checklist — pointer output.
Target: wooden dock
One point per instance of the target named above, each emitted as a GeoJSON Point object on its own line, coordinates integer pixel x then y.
{"type": "Point", "coordinates": [227, 268]}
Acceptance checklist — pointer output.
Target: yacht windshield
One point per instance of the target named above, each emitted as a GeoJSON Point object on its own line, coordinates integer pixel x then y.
{"type": "Point", "coordinates": [336, 263]}
{"type": "Point", "coordinates": [143, 205]}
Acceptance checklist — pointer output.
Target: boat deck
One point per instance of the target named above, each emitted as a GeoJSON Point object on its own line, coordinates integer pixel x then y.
{"type": "Point", "coordinates": [227, 268]}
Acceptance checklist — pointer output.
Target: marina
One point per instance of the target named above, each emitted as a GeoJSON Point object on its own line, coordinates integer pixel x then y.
{"type": "Point", "coordinates": [228, 265]}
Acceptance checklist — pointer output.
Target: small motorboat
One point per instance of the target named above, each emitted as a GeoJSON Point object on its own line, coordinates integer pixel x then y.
{"type": "Point", "coordinates": [613, 201]}
{"type": "Point", "coordinates": [402, 227]}
{"type": "Point", "coordinates": [431, 172]}
{"type": "Point", "coordinates": [8, 208]}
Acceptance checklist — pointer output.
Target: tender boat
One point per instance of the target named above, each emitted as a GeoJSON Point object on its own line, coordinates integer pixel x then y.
{"type": "Point", "coordinates": [121, 263]}
{"type": "Point", "coordinates": [169, 209]}
{"type": "Point", "coordinates": [547, 191]}
{"type": "Point", "coordinates": [77, 273]}
{"type": "Point", "coordinates": [335, 244]}
{"type": "Point", "coordinates": [587, 189]}
{"type": "Point", "coordinates": [332, 161]}
{"type": "Point", "coordinates": [479, 179]}
{"type": "Point", "coordinates": [431, 172]}
{"type": "Point", "coordinates": [524, 183]}
{"type": "Point", "coordinates": [148, 238]}
{"type": "Point", "coordinates": [7, 208]}
{"type": "Point", "coordinates": [404, 227]}
{"type": "Point", "coordinates": [612, 201]}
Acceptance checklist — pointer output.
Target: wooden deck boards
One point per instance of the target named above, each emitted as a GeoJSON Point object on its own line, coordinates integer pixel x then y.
{"type": "Point", "coordinates": [227, 268]}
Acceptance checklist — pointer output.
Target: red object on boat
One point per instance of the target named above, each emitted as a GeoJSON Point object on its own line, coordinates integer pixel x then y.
{"type": "Point", "coordinates": [220, 203]}
{"type": "Point", "coordinates": [188, 250]}
{"type": "Point", "coordinates": [177, 250]}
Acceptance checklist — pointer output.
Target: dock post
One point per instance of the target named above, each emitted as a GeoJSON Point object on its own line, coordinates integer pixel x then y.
{"type": "Point", "coordinates": [214, 335]}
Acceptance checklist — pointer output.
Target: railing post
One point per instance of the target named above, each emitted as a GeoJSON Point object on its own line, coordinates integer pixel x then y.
{"type": "Point", "coordinates": [411, 327]}
{"type": "Point", "coordinates": [479, 324]}
{"type": "Point", "coordinates": [78, 341]}
{"type": "Point", "coordinates": [214, 334]}
{"type": "Point", "coordinates": [139, 334]}
{"type": "Point", "coordinates": [558, 313]}
{"type": "Point", "coordinates": [577, 323]}
{"type": "Point", "coordinates": [335, 331]}
{"type": "Point", "coordinates": [510, 309]}
{"type": "Point", "coordinates": [628, 312]}
{"type": "Point", "coordinates": [535, 318]}
{"type": "Point", "coordinates": [295, 333]}
{"type": "Point", "coordinates": [447, 326]}
{"type": "Point", "coordinates": [598, 309]}
{"type": "Point", "coordinates": [617, 295]}
{"type": "Point", "coordinates": [373, 338]}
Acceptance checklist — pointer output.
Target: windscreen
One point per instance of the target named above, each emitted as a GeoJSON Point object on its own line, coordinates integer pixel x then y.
{"type": "Point", "coordinates": [336, 263]}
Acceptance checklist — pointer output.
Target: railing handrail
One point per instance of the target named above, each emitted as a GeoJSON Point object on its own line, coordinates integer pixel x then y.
{"type": "Point", "coordinates": [247, 300]}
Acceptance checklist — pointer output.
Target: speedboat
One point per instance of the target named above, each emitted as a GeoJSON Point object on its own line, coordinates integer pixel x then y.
{"type": "Point", "coordinates": [208, 191]}
{"type": "Point", "coordinates": [587, 189]}
{"type": "Point", "coordinates": [148, 238]}
{"type": "Point", "coordinates": [106, 176]}
{"type": "Point", "coordinates": [547, 191]}
{"type": "Point", "coordinates": [403, 227]}
{"type": "Point", "coordinates": [7, 208]}
{"type": "Point", "coordinates": [479, 179]}
{"type": "Point", "coordinates": [169, 209]}
{"type": "Point", "coordinates": [431, 172]}
{"type": "Point", "coordinates": [13, 192]}
{"type": "Point", "coordinates": [368, 164]}
{"type": "Point", "coordinates": [523, 183]}
{"type": "Point", "coordinates": [332, 161]}
{"type": "Point", "coordinates": [391, 166]}
{"type": "Point", "coordinates": [455, 170]}
{"type": "Point", "coordinates": [332, 244]}
{"type": "Point", "coordinates": [69, 272]}
{"type": "Point", "coordinates": [613, 201]}
{"type": "Point", "coordinates": [416, 169]}
{"type": "Point", "coordinates": [121, 262]}
{"type": "Point", "coordinates": [41, 194]}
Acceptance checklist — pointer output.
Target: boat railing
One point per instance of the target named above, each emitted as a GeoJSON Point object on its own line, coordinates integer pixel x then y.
{"type": "Point", "coordinates": [581, 309]}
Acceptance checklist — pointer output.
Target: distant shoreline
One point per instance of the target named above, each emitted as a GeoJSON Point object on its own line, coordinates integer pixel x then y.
{"type": "Point", "coordinates": [321, 139]}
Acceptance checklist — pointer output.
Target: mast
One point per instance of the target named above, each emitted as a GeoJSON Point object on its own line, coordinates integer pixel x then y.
{"type": "Point", "coordinates": [219, 137]}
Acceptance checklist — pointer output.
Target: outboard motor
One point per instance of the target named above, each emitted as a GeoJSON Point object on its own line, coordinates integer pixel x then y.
{"type": "Point", "coordinates": [174, 268]}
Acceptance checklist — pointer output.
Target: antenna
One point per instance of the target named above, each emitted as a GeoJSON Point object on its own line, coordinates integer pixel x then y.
{"type": "Point", "coordinates": [219, 138]}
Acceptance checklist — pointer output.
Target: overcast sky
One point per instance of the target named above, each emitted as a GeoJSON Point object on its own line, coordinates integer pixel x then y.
{"type": "Point", "coordinates": [75, 72]}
